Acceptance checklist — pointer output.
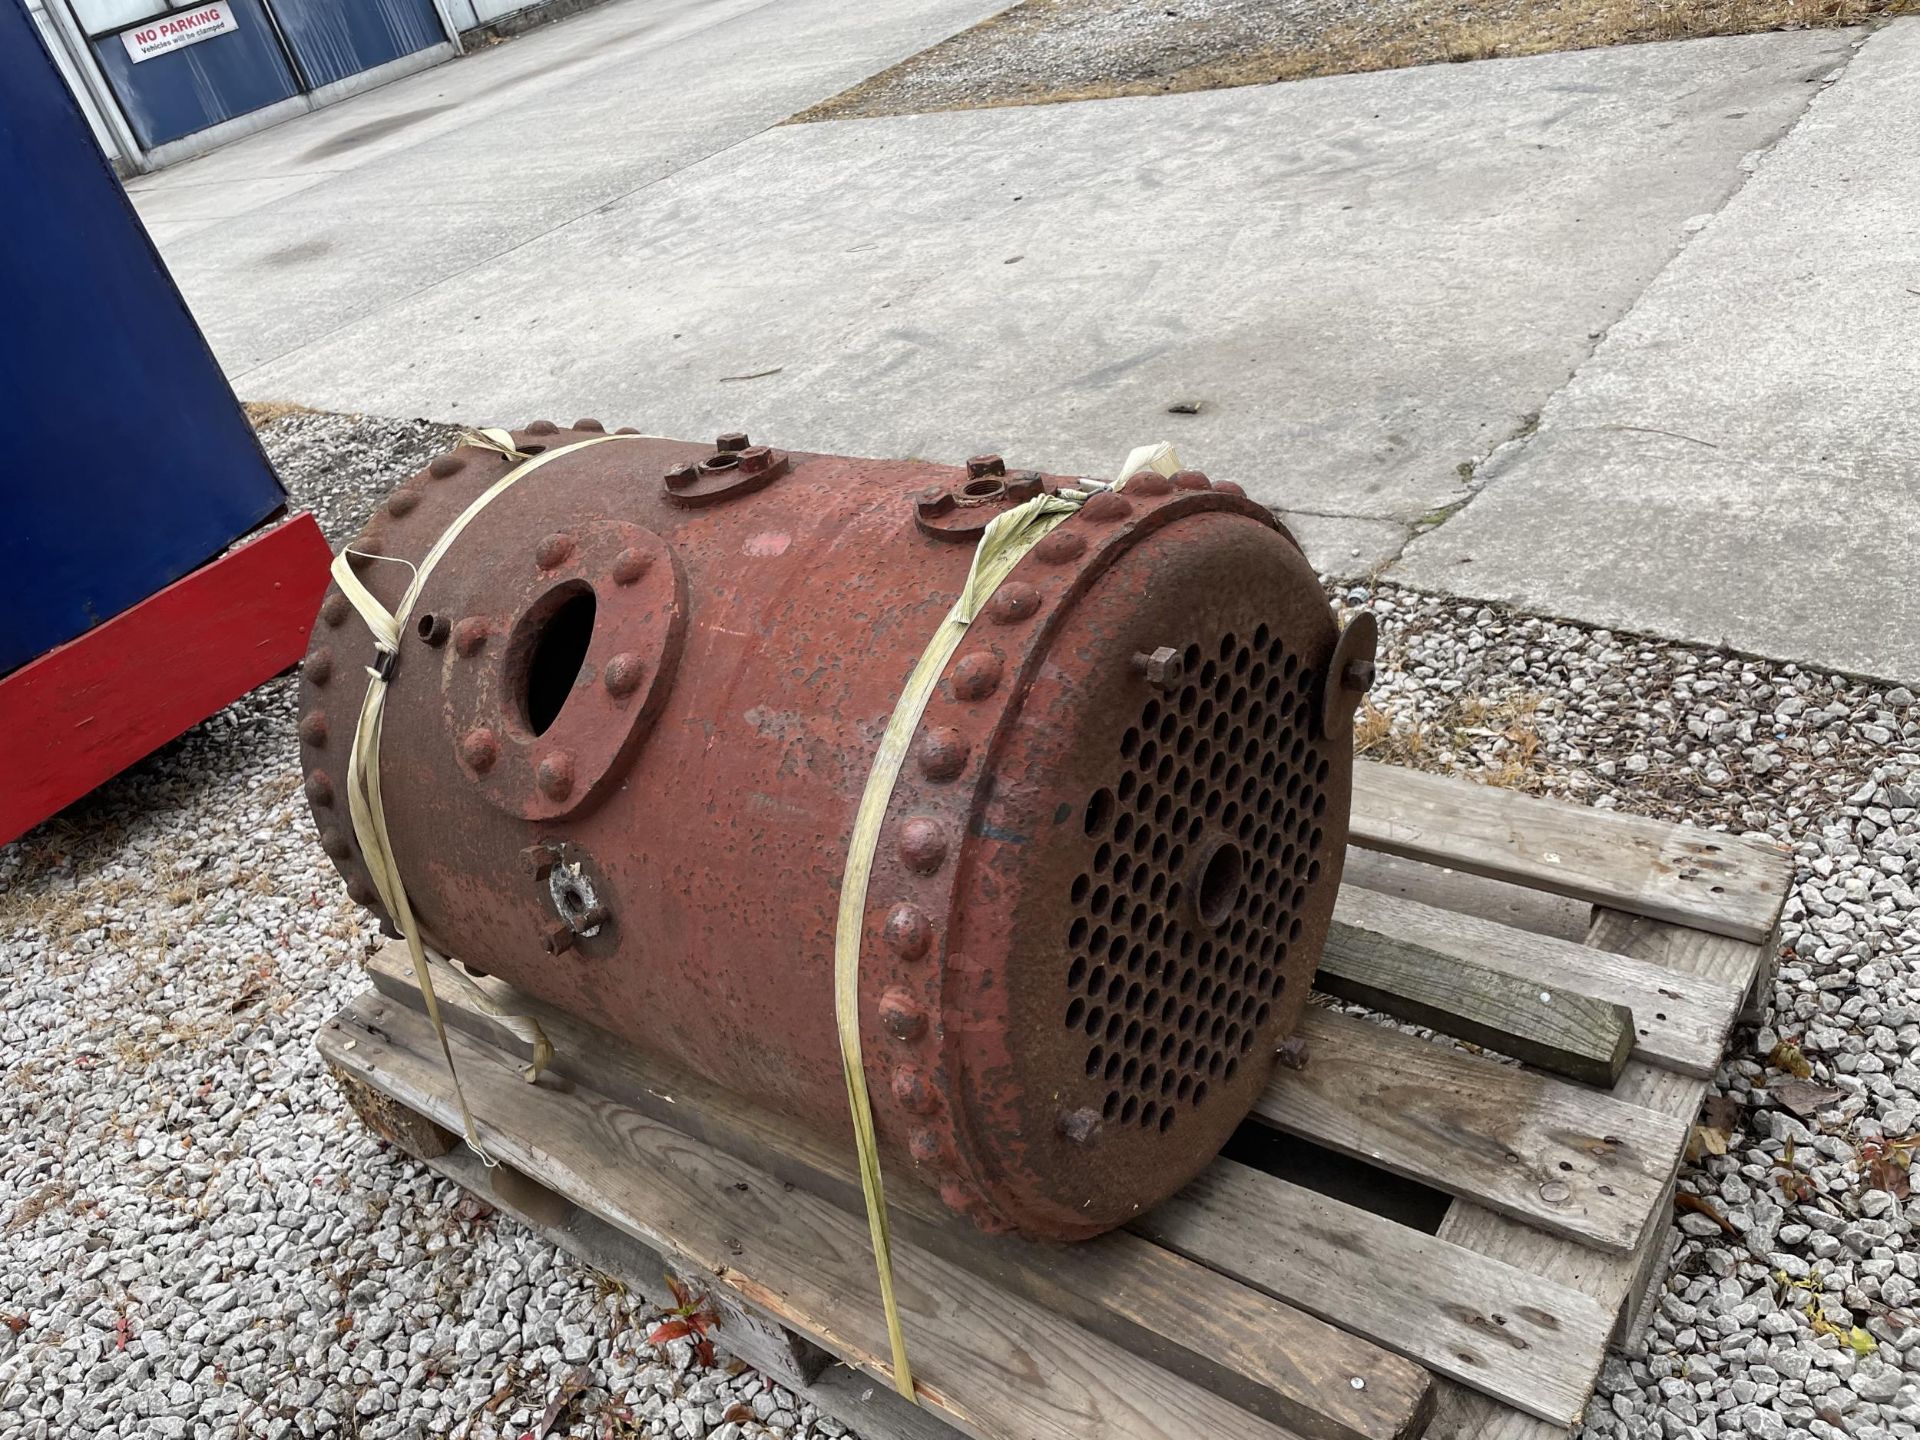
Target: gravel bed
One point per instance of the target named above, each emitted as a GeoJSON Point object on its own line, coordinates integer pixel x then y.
{"type": "Point", "coordinates": [197, 1238]}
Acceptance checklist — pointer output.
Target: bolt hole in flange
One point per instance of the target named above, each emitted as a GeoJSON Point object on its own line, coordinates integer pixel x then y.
{"type": "Point", "coordinates": [574, 899]}
{"type": "Point", "coordinates": [547, 651]}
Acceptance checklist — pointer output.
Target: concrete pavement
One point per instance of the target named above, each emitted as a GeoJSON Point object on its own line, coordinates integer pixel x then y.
{"type": "Point", "coordinates": [1739, 462]}
{"type": "Point", "coordinates": [1369, 284]}
{"type": "Point", "coordinates": [347, 213]}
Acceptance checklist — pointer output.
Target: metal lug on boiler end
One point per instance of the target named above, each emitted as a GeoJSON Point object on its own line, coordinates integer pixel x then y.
{"type": "Point", "coordinates": [1163, 668]}
{"type": "Point", "coordinates": [1351, 671]}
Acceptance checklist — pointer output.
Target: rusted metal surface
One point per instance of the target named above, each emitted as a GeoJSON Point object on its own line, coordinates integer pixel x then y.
{"type": "Point", "coordinates": [634, 711]}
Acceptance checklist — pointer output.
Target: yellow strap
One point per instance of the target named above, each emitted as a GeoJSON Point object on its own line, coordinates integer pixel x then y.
{"type": "Point", "coordinates": [1002, 545]}
{"type": "Point", "coordinates": [363, 762]}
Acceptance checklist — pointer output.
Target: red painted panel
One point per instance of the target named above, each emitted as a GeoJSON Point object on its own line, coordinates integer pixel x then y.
{"type": "Point", "coordinates": [86, 710]}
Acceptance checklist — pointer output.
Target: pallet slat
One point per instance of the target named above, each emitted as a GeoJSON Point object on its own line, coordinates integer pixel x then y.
{"type": "Point", "coordinates": [1530, 1018]}
{"type": "Point", "coordinates": [1720, 883]}
{"type": "Point", "coordinates": [1505, 1331]}
{"type": "Point", "coordinates": [1679, 1021]}
{"type": "Point", "coordinates": [1233, 1340]}
{"type": "Point", "coordinates": [1575, 1162]}
{"type": "Point", "coordinates": [990, 1363]}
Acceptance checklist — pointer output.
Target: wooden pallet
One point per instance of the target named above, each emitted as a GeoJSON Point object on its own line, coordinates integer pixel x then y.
{"type": "Point", "coordinates": [1451, 1252]}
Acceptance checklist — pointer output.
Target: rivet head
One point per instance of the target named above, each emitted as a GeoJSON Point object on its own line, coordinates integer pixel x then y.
{"type": "Point", "coordinates": [924, 1145]}
{"type": "Point", "coordinates": [479, 749]}
{"type": "Point", "coordinates": [942, 753]}
{"type": "Point", "coordinates": [1060, 546]}
{"type": "Point", "coordinates": [1107, 506]}
{"type": "Point", "coordinates": [543, 427]}
{"type": "Point", "coordinates": [554, 774]}
{"type": "Point", "coordinates": [313, 728]}
{"type": "Point", "coordinates": [470, 636]}
{"type": "Point", "coordinates": [628, 430]}
{"type": "Point", "coordinates": [911, 1090]}
{"type": "Point", "coordinates": [623, 673]}
{"type": "Point", "coordinates": [319, 789]}
{"type": "Point", "coordinates": [401, 502]}
{"type": "Point", "coordinates": [1227, 487]}
{"type": "Point", "coordinates": [908, 932]}
{"type": "Point", "coordinates": [1013, 602]}
{"type": "Point", "coordinates": [901, 1014]}
{"type": "Point", "coordinates": [319, 666]}
{"type": "Point", "coordinates": [334, 608]}
{"type": "Point", "coordinates": [334, 843]}
{"type": "Point", "coordinates": [359, 891]}
{"type": "Point", "coordinates": [923, 844]}
{"type": "Point", "coordinates": [553, 550]}
{"type": "Point", "coordinates": [590, 425]}
{"type": "Point", "coordinates": [445, 467]}
{"type": "Point", "coordinates": [1191, 480]}
{"type": "Point", "coordinates": [629, 565]}
{"type": "Point", "coordinates": [977, 675]}
{"type": "Point", "coordinates": [1148, 482]}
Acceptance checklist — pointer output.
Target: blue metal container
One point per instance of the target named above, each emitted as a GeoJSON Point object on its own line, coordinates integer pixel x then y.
{"type": "Point", "coordinates": [128, 461]}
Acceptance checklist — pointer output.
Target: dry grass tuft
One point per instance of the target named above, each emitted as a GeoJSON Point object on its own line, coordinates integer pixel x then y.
{"type": "Point", "coordinates": [1495, 742]}
{"type": "Point", "coordinates": [262, 413]}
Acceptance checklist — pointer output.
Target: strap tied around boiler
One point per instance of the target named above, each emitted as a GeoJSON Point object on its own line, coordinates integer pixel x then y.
{"type": "Point", "coordinates": [363, 763]}
{"type": "Point", "coordinates": [1003, 544]}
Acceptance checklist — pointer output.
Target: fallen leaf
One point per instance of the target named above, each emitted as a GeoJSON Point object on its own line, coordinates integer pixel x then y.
{"type": "Point", "coordinates": [1887, 1170]}
{"type": "Point", "coordinates": [1685, 1200]}
{"type": "Point", "coordinates": [15, 1323]}
{"type": "Point", "coordinates": [739, 1414]}
{"type": "Point", "coordinates": [1787, 1056]}
{"type": "Point", "coordinates": [703, 1350]}
{"type": "Point", "coordinates": [1804, 1097]}
{"type": "Point", "coordinates": [1861, 1341]}
{"type": "Point", "coordinates": [469, 1208]}
{"type": "Point", "coordinates": [1722, 1112]}
{"type": "Point", "coordinates": [1703, 1141]}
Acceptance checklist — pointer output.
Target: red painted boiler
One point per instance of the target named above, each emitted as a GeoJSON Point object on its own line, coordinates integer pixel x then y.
{"type": "Point", "coordinates": [633, 712]}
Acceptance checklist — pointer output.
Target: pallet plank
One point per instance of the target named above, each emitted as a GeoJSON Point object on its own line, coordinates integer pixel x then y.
{"type": "Point", "coordinates": [1616, 1281]}
{"type": "Point", "coordinates": [1720, 883]}
{"type": "Point", "coordinates": [1680, 1021]}
{"type": "Point", "coordinates": [1530, 1018]}
{"type": "Point", "coordinates": [1575, 1162]}
{"type": "Point", "coordinates": [1505, 1331]}
{"type": "Point", "coordinates": [1233, 1340]}
{"type": "Point", "coordinates": [990, 1363]}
